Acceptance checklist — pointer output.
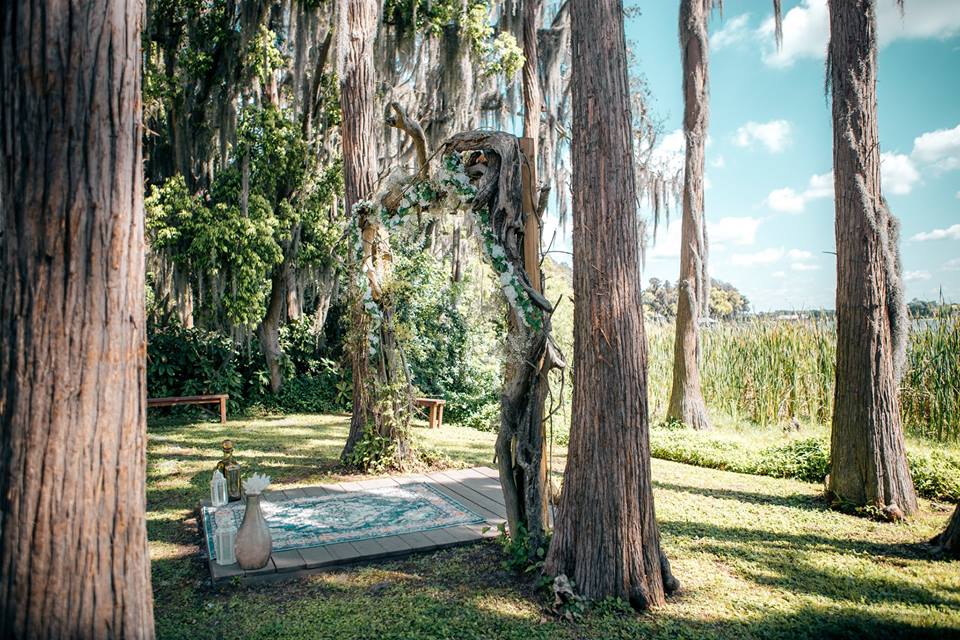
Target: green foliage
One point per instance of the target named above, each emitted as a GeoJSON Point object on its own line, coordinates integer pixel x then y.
{"type": "Point", "coordinates": [449, 353]}
{"type": "Point", "coordinates": [807, 460]}
{"type": "Point", "coordinates": [771, 371]}
{"type": "Point", "coordinates": [185, 362]}
{"type": "Point", "coordinates": [214, 241]}
{"type": "Point", "coordinates": [930, 389]}
{"type": "Point", "coordinates": [520, 557]}
{"type": "Point", "coordinates": [936, 474]}
{"type": "Point", "coordinates": [231, 251]}
{"type": "Point", "coordinates": [497, 53]}
{"type": "Point", "coordinates": [263, 56]}
{"type": "Point", "coordinates": [374, 453]}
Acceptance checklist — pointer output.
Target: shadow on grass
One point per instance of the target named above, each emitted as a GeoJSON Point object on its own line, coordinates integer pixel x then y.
{"type": "Point", "coordinates": [463, 594]}
{"type": "Point", "coordinates": [784, 561]}
{"type": "Point", "coordinates": [796, 501]}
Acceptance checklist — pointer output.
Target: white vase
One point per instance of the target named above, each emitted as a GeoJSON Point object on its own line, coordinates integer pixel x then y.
{"type": "Point", "coordinates": [254, 545]}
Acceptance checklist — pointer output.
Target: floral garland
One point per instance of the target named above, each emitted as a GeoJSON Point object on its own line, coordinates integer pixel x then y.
{"type": "Point", "coordinates": [453, 175]}
{"type": "Point", "coordinates": [452, 190]}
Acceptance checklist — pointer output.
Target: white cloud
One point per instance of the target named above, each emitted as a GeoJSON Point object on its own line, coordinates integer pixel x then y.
{"type": "Point", "coordinates": [806, 27]}
{"type": "Point", "coordinates": [778, 274]}
{"type": "Point", "coordinates": [953, 264]}
{"type": "Point", "coordinates": [786, 200]}
{"type": "Point", "coordinates": [666, 245]}
{"type": "Point", "coordinates": [733, 230]}
{"type": "Point", "coordinates": [952, 233]}
{"type": "Point", "coordinates": [910, 276]}
{"type": "Point", "coordinates": [805, 33]}
{"type": "Point", "coordinates": [720, 163]}
{"type": "Point", "coordinates": [804, 266]}
{"type": "Point", "coordinates": [940, 148]}
{"type": "Point", "coordinates": [668, 155]}
{"type": "Point", "coordinates": [767, 256]}
{"type": "Point", "coordinates": [774, 135]}
{"type": "Point", "coordinates": [958, 195]}
{"type": "Point", "coordinates": [797, 254]}
{"type": "Point", "coordinates": [820, 186]}
{"type": "Point", "coordinates": [897, 173]}
{"type": "Point", "coordinates": [733, 32]}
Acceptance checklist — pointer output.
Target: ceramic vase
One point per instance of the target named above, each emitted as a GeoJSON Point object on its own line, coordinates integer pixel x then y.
{"type": "Point", "coordinates": [254, 545]}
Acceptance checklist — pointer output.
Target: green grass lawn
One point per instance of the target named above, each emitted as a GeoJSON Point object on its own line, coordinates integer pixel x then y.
{"type": "Point", "coordinates": [758, 557]}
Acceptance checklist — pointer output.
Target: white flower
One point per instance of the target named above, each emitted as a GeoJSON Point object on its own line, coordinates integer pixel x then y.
{"type": "Point", "coordinates": [506, 278]}
{"type": "Point", "coordinates": [255, 484]}
{"type": "Point", "coordinates": [497, 251]}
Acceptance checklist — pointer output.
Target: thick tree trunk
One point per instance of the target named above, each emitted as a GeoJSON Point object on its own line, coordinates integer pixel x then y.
{"type": "Point", "coordinates": [949, 541]}
{"type": "Point", "coordinates": [686, 397]}
{"type": "Point", "coordinates": [74, 561]}
{"type": "Point", "coordinates": [868, 460]}
{"type": "Point", "coordinates": [268, 333]}
{"type": "Point", "coordinates": [356, 29]}
{"type": "Point", "coordinates": [606, 538]}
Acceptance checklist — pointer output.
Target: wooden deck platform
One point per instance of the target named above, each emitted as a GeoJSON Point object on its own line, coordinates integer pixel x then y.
{"type": "Point", "coordinates": [477, 488]}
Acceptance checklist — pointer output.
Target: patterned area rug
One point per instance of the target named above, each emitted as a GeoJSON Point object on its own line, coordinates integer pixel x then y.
{"type": "Point", "coordinates": [299, 523]}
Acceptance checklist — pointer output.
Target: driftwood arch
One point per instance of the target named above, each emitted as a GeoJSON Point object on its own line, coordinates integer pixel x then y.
{"type": "Point", "coordinates": [482, 172]}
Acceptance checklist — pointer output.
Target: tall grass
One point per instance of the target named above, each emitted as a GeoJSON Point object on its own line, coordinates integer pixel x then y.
{"type": "Point", "coordinates": [771, 371]}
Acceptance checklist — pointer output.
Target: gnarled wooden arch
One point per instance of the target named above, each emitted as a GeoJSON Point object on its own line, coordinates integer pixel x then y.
{"type": "Point", "coordinates": [494, 164]}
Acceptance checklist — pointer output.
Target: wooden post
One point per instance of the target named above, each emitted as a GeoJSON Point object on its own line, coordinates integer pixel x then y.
{"type": "Point", "coordinates": [531, 263]}
{"type": "Point", "coordinates": [531, 228]}
{"type": "Point", "coordinates": [223, 409]}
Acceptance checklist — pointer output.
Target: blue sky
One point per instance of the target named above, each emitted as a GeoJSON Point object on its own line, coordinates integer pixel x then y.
{"type": "Point", "coordinates": [769, 197]}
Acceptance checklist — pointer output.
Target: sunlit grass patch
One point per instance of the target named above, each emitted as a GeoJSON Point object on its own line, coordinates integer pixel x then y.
{"type": "Point", "coordinates": [758, 557]}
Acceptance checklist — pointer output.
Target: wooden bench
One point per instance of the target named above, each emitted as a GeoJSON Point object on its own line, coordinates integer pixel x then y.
{"type": "Point", "coordinates": [220, 399]}
{"type": "Point", "coordinates": [435, 405]}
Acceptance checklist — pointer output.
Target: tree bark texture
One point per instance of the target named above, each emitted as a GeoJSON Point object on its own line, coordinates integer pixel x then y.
{"type": "Point", "coordinates": [521, 440]}
{"type": "Point", "coordinates": [356, 29]}
{"type": "Point", "coordinates": [74, 561]}
{"type": "Point", "coordinates": [606, 537]}
{"type": "Point", "coordinates": [686, 396]}
{"type": "Point", "coordinates": [949, 541]}
{"type": "Point", "coordinates": [868, 459]}
{"type": "Point", "coordinates": [268, 333]}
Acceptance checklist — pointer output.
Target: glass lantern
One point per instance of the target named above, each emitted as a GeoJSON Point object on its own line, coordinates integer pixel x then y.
{"type": "Point", "coordinates": [218, 489]}
{"type": "Point", "coordinates": [225, 540]}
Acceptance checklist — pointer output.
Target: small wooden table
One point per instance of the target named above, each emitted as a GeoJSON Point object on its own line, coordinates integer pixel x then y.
{"type": "Point", "coordinates": [220, 398]}
{"type": "Point", "coordinates": [435, 405]}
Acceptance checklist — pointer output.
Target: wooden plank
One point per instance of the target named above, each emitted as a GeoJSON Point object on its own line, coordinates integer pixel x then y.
{"type": "Point", "coordinates": [369, 548]}
{"type": "Point", "coordinates": [490, 473]}
{"type": "Point", "coordinates": [317, 557]}
{"type": "Point", "coordinates": [449, 536]}
{"type": "Point", "coordinates": [270, 567]}
{"type": "Point", "coordinates": [470, 499]}
{"type": "Point", "coordinates": [316, 492]}
{"type": "Point", "coordinates": [289, 560]}
{"type": "Point", "coordinates": [377, 483]}
{"type": "Point", "coordinates": [493, 508]}
{"type": "Point", "coordinates": [343, 552]}
{"type": "Point", "coordinates": [481, 484]}
{"type": "Point", "coordinates": [416, 540]}
{"type": "Point", "coordinates": [224, 572]}
{"type": "Point", "coordinates": [395, 545]}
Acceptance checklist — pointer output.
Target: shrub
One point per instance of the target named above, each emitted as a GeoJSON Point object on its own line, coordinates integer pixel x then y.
{"type": "Point", "coordinates": [183, 362]}
{"type": "Point", "coordinates": [936, 476]}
